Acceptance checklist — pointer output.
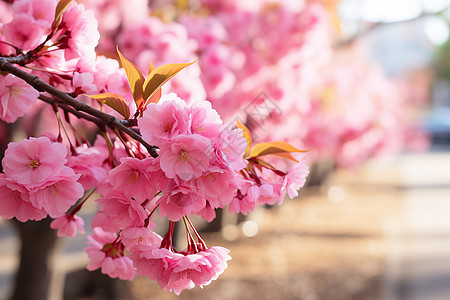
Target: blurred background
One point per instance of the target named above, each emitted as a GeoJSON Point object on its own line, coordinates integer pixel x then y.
{"type": "Point", "coordinates": [364, 85]}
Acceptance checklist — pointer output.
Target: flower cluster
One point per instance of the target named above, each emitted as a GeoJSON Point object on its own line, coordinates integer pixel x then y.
{"type": "Point", "coordinates": [196, 151]}
{"type": "Point", "coordinates": [202, 166]}
{"type": "Point", "coordinates": [287, 52]}
{"type": "Point", "coordinates": [156, 259]}
{"type": "Point", "coordinates": [61, 53]}
{"type": "Point", "coordinates": [36, 182]}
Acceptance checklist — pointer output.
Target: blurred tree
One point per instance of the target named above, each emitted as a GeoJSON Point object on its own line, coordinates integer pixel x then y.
{"type": "Point", "coordinates": [442, 60]}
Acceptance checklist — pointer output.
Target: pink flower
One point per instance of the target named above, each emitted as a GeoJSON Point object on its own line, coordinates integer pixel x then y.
{"type": "Point", "coordinates": [116, 212]}
{"type": "Point", "coordinates": [140, 239]}
{"type": "Point", "coordinates": [106, 253]}
{"type": "Point", "coordinates": [58, 193]}
{"type": "Point", "coordinates": [16, 97]}
{"type": "Point", "coordinates": [186, 156]}
{"type": "Point", "coordinates": [153, 264]}
{"type": "Point", "coordinates": [33, 161]}
{"type": "Point", "coordinates": [134, 178]}
{"type": "Point", "coordinates": [177, 272]}
{"type": "Point", "coordinates": [14, 202]}
{"type": "Point", "coordinates": [206, 31]}
{"type": "Point", "coordinates": [270, 192]}
{"type": "Point", "coordinates": [246, 199]}
{"type": "Point", "coordinates": [83, 83]}
{"type": "Point", "coordinates": [40, 10]}
{"type": "Point", "coordinates": [68, 225]}
{"type": "Point", "coordinates": [180, 201]}
{"type": "Point", "coordinates": [208, 213]}
{"type": "Point", "coordinates": [165, 120]}
{"type": "Point", "coordinates": [229, 148]}
{"type": "Point", "coordinates": [24, 32]}
{"type": "Point", "coordinates": [204, 120]}
{"type": "Point", "coordinates": [81, 27]}
{"type": "Point", "coordinates": [89, 162]}
{"type": "Point", "coordinates": [295, 178]}
{"type": "Point", "coordinates": [218, 188]}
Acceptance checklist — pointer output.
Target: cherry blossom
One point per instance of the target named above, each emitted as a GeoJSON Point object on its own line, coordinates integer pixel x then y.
{"type": "Point", "coordinates": [68, 225]}
{"type": "Point", "coordinates": [15, 202]}
{"type": "Point", "coordinates": [89, 163]}
{"type": "Point", "coordinates": [161, 122]}
{"type": "Point", "coordinates": [295, 178]}
{"type": "Point", "coordinates": [23, 31]}
{"type": "Point", "coordinates": [33, 161]}
{"type": "Point", "coordinates": [186, 157]}
{"type": "Point", "coordinates": [37, 9]}
{"type": "Point", "coordinates": [83, 83]}
{"type": "Point", "coordinates": [175, 271]}
{"type": "Point", "coordinates": [81, 26]}
{"type": "Point", "coordinates": [58, 193]}
{"type": "Point", "coordinates": [116, 212]}
{"type": "Point", "coordinates": [134, 177]}
{"type": "Point", "coordinates": [107, 254]}
{"type": "Point", "coordinates": [16, 98]}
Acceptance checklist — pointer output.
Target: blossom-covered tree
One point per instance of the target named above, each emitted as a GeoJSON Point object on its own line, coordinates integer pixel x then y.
{"type": "Point", "coordinates": [99, 127]}
{"type": "Point", "coordinates": [259, 80]}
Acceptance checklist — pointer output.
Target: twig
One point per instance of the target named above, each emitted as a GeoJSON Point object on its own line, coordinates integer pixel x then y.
{"type": "Point", "coordinates": [73, 111]}
{"type": "Point", "coordinates": [6, 64]}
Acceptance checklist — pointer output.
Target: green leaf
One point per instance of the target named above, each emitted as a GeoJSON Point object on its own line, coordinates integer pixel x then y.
{"type": "Point", "coordinates": [247, 136]}
{"type": "Point", "coordinates": [60, 8]}
{"type": "Point", "coordinates": [135, 78]}
{"type": "Point", "coordinates": [281, 149]}
{"type": "Point", "coordinates": [114, 101]}
{"type": "Point", "coordinates": [160, 76]}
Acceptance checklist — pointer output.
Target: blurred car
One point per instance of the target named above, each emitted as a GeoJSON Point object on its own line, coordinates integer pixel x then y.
{"type": "Point", "coordinates": [437, 124]}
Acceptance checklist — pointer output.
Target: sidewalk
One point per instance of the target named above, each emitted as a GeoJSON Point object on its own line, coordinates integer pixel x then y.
{"type": "Point", "coordinates": [418, 260]}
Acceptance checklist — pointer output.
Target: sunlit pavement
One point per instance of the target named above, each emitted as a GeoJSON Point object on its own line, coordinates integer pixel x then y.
{"type": "Point", "coordinates": [418, 259]}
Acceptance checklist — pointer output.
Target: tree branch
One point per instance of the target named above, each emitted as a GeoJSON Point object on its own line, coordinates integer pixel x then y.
{"type": "Point", "coordinates": [73, 111]}
{"type": "Point", "coordinates": [6, 64]}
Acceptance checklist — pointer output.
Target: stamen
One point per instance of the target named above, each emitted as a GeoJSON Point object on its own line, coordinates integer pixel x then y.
{"type": "Point", "coordinates": [132, 177]}
{"type": "Point", "coordinates": [184, 155]}
{"type": "Point", "coordinates": [167, 127]}
{"type": "Point", "coordinates": [33, 164]}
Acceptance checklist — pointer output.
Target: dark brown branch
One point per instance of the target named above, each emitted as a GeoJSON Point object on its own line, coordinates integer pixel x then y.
{"type": "Point", "coordinates": [70, 109]}
{"type": "Point", "coordinates": [6, 64]}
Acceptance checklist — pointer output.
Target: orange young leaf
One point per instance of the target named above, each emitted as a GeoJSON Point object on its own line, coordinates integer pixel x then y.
{"type": "Point", "coordinates": [135, 77]}
{"type": "Point", "coordinates": [265, 164]}
{"type": "Point", "coordinates": [114, 101]}
{"type": "Point", "coordinates": [154, 98]}
{"type": "Point", "coordinates": [281, 149]}
{"type": "Point", "coordinates": [247, 136]}
{"type": "Point", "coordinates": [151, 67]}
{"type": "Point", "coordinates": [160, 76]}
{"type": "Point", "coordinates": [60, 8]}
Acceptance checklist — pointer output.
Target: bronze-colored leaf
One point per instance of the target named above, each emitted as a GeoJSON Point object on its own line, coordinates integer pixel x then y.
{"type": "Point", "coordinates": [159, 76]}
{"type": "Point", "coordinates": [114, 101]}
{"type": "Point", "coordinates": [60, 8]}
{"type": "Point", "coordinates": [135, 77]}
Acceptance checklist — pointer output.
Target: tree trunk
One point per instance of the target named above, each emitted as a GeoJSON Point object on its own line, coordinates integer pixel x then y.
{"type": "Point", "coordinates": [34, 273]}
